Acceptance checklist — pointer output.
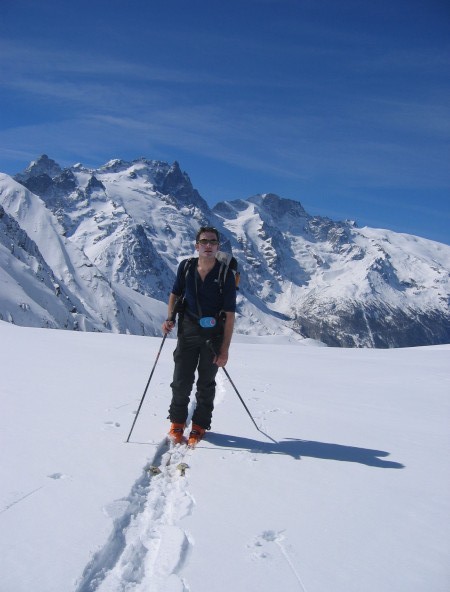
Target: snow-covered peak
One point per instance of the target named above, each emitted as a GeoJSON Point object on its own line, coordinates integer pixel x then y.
{"type": "Point", "coordinates": [132, 222]}
{"type": "Point", "coordinates": [41, 166]}
{"type": "Point", "coordinates": [115, 165]}
{"type": "Point", "coordinates": [278, 206]}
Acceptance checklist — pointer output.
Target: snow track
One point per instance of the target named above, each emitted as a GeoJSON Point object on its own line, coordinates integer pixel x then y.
{"type": "Point", "coordinates": [147, 547]}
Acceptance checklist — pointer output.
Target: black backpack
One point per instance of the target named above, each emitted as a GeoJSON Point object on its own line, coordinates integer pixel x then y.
{"type": "Point", "coordinates": [227, 263]}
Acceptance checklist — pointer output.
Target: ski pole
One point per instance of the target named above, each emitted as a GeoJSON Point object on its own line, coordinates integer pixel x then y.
{"type": "Point", "coordinates": [171, 318]}
{"type": "Point", "coordinates": [240, 398]}
{"type": "Point", "coordinates": [148, 382]}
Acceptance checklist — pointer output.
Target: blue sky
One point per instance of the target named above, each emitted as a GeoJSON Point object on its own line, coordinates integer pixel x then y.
{"type": "Point", "coordinates": [342, 105]}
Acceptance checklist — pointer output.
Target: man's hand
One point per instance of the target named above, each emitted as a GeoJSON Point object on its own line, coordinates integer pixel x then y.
{"type": "Point", "coordinates": [221, 359]}
{"type": "Point", "coordinates": [167, 326]}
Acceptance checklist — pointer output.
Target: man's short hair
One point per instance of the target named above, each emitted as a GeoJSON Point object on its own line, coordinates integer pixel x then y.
{"type": "Point", "coordinates": [207, 229]}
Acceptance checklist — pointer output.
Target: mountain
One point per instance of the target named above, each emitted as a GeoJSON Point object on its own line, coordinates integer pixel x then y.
{"type": "Point", "coordinates": [338, 283]}
{"type": "Point", "coordinates": [97, 249]}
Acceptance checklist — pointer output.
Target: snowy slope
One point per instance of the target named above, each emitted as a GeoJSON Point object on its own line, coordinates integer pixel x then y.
{"type": "Point", "coordinates": [28, 286]}
{"type": "Point", "coordinates": [338, 283]}
{"type": "Point", "coordinates": [353, 495]}
{"type": "Point", "coordinates": [93, 302]}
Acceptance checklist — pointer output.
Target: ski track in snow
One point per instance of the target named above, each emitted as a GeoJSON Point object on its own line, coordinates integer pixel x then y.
{"type": "Point", "coordinates": [262, 543]}
{"type": "Point", "coordinates": [147, 548]}
{"type": "Point", "coordinates": [20, 499]}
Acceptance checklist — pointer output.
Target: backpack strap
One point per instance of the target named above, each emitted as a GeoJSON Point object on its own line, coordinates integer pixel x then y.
{"type": "Point", "coordinates": [186, 268]}
{"type": "Point", "coordinates": [227, 262]}
{"type": "Point", "coordinates": [189, 263]}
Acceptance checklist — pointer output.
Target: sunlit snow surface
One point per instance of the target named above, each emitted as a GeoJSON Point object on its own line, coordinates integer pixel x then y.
{"type": "Point", "coordinates": [352, 496]}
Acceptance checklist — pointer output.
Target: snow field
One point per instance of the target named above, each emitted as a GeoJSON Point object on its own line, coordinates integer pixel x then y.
{"type": "Point", "coordinates": [352, 495]}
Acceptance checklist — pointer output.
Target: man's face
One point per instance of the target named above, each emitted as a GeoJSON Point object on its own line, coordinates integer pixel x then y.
{"type": "Point", "coordinates": [207, 245]}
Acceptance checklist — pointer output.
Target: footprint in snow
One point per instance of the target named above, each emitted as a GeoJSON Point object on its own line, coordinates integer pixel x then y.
{"type": "Point", "coordinates": [57, 476]}
{"type": "Point", "coordinates": [271, 539]}
{"type": "Point", "coordinates": [111, 424]}
{"type": "Point", "coordinates": [261, 544]}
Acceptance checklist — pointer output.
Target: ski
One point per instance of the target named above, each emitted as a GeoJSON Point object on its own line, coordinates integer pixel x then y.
{"type": "Point", "coordinates": [175, 457]}
{"type": "Point", "coordinates": [182, 468]}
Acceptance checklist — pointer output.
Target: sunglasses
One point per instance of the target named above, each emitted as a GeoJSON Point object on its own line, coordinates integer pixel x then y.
{"type": "Point", "coordinates": [208, 241]}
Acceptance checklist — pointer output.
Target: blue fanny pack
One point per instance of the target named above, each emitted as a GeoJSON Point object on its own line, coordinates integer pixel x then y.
{"type": "Point", "coordinates": [207, 322]}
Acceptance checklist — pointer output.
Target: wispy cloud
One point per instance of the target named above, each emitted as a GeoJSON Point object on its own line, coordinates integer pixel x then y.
{"type": "Point", "coordinates": [313, 96]}
{"type": "Point", "coordinates": [21, 59]}
{"type": "Point", "coordinates": [119, 105]}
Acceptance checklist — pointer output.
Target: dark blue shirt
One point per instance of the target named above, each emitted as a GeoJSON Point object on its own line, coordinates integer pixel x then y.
{"type": "Point", "coordinates": [207, 293]}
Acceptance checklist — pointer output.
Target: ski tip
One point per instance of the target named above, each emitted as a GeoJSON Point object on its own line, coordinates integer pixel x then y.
{"type": "Point", "coordinates": [182, 468]}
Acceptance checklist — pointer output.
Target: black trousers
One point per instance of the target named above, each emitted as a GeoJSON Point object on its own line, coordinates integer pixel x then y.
{"type": "Point", "coordinates": [193, 353]}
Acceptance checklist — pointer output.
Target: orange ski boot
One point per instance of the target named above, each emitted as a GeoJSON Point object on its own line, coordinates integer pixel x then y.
{"type": "Point", "coordinates": [196, 435]}
{"type": "Point", "coordinates": [175, 434]}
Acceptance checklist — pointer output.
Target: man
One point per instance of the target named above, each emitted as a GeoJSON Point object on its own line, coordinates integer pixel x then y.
{"type": "Point", "coordinates": [205, 329]}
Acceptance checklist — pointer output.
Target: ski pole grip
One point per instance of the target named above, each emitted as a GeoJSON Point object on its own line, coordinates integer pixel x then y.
{"type": "Point", "coordinates": [176, 309]}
